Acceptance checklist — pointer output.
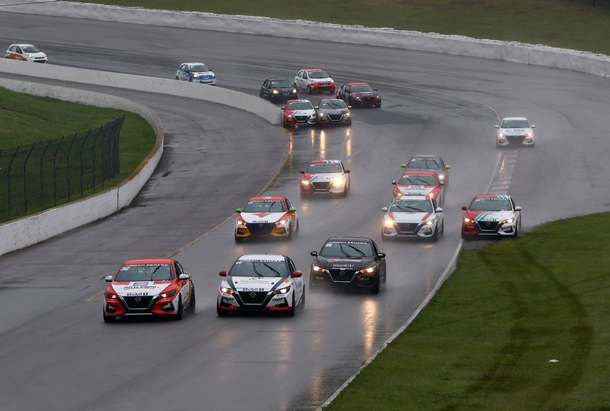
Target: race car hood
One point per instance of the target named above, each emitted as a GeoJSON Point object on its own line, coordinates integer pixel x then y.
{"type": "Point", "coordinates": [201, 73]}
{"type": "Point", "coordinates": [140, 288]}
{"type": "Point", "coordinates": [334, 110]}
{"type": "Point", "coordinates": [415, 190]}
{"type": "Point", "coordinates": [257, 283]}
{"type": "Point", "coordinates": [515, 131]}
{"type": "Point", "coordinates": [477, 215]}
{"type": "Point", "coordinates": [262, 217]}
{"type": "Point", "coordinates": [364, 93]}
{"type": "Point", "coordinates": [322, 177]}
{"type": "Point", "coordinates": [344, 263]}
{"type": "Point", "coordinates": [406, 217]}
{"type": "Point", "coordinates": [307, 112]}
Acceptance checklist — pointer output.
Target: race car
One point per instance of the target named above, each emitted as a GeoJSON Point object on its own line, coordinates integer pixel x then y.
{"type": "Point", "coordinates": [278, 88]}
{"type": "Point", "coordinates": [413, 216]}
{"type": "Point", "coordinates": [196, 73]}
{"type": "Point", "coordinates": [429, 162]}
{"type": "Point", "coordinates": [359, 94]}
{"type": "Point", "coordinates": [314, 81]}
{"type": "Point", "coordinates": [422, 183]}
{"type": "Point", "coordinates": [25, 52]}
{"type": "Point", "coordinates": [266, 217]}
{"type": "Point", "coordinates": [325, 176]}
{"type": "Point", "coordinates": [348, 261]}
{"type": "Point", "coordinates": [333, 111]}
{"type": "Point", "coordinates": [299, 112]}
{"type": "Point", "coordinates": [262, 282]}
{"type": "Point", "coordinates": [491, 215]}
{"type": "Point", "coordinates": [515, 131]}
{"type": "Point", "coordinates": [153, 286]}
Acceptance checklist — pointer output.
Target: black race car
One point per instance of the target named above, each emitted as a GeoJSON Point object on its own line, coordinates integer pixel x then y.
{"type": "Point", "coordinates": [278, 88]}
{"type": "Point", "coordinates": [348, 261]}
{"type": "Point", "coordinates": [431, 163]}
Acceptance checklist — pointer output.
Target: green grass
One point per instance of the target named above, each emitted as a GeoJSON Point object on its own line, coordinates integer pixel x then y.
{"type": "Point", "coordinates": [569, 24]}
{"type": "Point", "coordinates": [25, 119]}
{"type": "Point", "coordinates": [486, 339]}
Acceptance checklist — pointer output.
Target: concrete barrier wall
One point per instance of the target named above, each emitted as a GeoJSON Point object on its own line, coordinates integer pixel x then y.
{"type": "Point", "coordinates": [31, 230]}
{"type": "Point", "coordinates": [456, 45]}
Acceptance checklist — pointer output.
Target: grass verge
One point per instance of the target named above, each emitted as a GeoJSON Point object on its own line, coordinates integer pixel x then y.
{"type": "Point", "coordinates": [490, 337]}
{"type": "Point", "coordinates": [574, 24]}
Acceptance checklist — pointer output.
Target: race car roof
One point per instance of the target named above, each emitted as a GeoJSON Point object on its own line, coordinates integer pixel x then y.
{"type": "Point", "coordinates": [350, 239]}
{"type": "Point", "coordinates": [262, 257]}
{"type": "Point", "coordinates": [267, 198]}
{"type": "Point", "coordinates": [358, 84]}
{"type": "Point", "coordinates": [502, 196]}
{"type": "Point", "coordinates": [149, 261]}
{"type": "Point", "coordinates": [324, 161]}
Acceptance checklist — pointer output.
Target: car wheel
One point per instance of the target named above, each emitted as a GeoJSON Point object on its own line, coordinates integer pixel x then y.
{"type": "Point", "coordinates": [221, 313]}
{"type": "Point", "coordinates": [180, 313]}
{"type": "Point", "coordinates": [375, 289]}
{"type": "Point", "coordinates": [443, 229]}
{"type": "Point", "coordinates": [177, 78]}
{"type": "Point", "coordinates": [292, 312]}
{"type": "Point", "coordinates": [377, 105]}
{"type": "Point", "coordinates": [190, 80]}
{"type": "Point", "coordinates": [302, 305]}
{"type": "Point", "coordinates": [238, 239]}
{"type": "Point", "coordinates": [344, 192]}
{"type": "Point", "coordinates": [313, 286]}
{"type": "Point", "coordinates": [516, 231]}
{"type": "Point", "coordinates": [108, 318]}
{"type": "Point", "coordinates": [309, 89]}
{"type": "Point", "coordinates": [262, 95]}
{"type": "Point", "coordinates": [192, 302]}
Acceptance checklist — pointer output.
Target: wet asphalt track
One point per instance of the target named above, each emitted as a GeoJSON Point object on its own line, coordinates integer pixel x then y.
{"type": "Point", "coordinates": [57, 354]}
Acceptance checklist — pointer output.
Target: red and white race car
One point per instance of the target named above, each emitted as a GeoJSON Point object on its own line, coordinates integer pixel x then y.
{"type": "Point", "coordinates": [314, 81]}
{"type": "Point", "coordinates": [152, 286]}
{"type": "Point", "coordinates": [25, 52]}
{"type": "Point", "coordinates": [266, 217]}
{"type": "Point", "coordinates": [419, 183]}
{"type": "Point", "coordinates": [299, 112]}
{"type": "Point", "coordinates": [325, 176]}
{"type": "Point", "coordinates": [491, 215]}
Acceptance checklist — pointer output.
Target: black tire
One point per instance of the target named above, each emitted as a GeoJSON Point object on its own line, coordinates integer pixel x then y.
{"type": "Point", "coordinates": [302, 305]}
{"type": "Point", "coordinates": [192, 302]}
{"type": "Point", "coordinates": [442, 233]}
{"type": "Point", "coordinates": [178, 316]}
{"type": "Point", "coordinates": [108, 318]}
{"type": "Point", "coordinates": [290, 232]}
{"type": "Point", "coordinates": [238, 239]}
{"type": "Point", "coordinates": [221, 312]}
{"type": "Point", "coordinates": [177, 78]}
{"type": "Point", "coordinates": [313, 287]}
{"type": "Point", "coordinates": [375, 289]}
{"type": "Point", "coordinates": [378, 105]}
{"type": "Point", "coordinates": [434, 237]}
{"type": "Point", "coordinates": [190, 80]}
{"type": "Point", "coordinates": [291, 313]}
{"type": "Point", "coordinates": [516, 231]}
{"type": "Point", "coordinates": [309, 89]}
{"type": "Point", "coordinates": [295, 86]}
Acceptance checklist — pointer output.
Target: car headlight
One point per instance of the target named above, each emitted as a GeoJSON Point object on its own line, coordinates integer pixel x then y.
{"type": "Point", "coordinates": [338, 181]}
{"type": "Point", "coordinates": [212, 74]}
{"type": "Point", "coordinates": [433, 194]}
{"type": "Point", "coordinates": [368, 270]}
{"type": "Point", "coordinates": [501, 135]}
{"type": "Point", "coordinates": [227, 290]}
{"type": "Point", "coordinates": [281, 223]}
{"type": "Point", "coordinates": [276, 92]}
{"type": "Point", "coordinates": [441, 176]}
{"type": "Point", "coordinates": [317, 268]}
{"type": "Point", "coordinates": [332, 81]}
{"type": "Point", "coordinates": [429, 222]}
{"type": "Point", "coordinates": [110, 295]}
{"type": "Point", "coordinates": [169, 293]}
{"type": "Point", "coordinates": [530, 134]}
{"type": "Point", "coordinates": [241, 223]}
{"type": "Point", "coordinates": [294, 91]}
{"type": "Point", "coordinates": [305, 182]}
{"type": "Point", "coordinates": [282, 290]}
{"type": "Point", "coordinates": [312, 115]}
{"type": "Point", "coordinates": [346, 115]}
{"type": "Point", "coordinates": [509, 221]}
{"type": "Point", "coordinates": [467, 220]}
{"type": "Point", "coordinates": [30, 55]}
{"type": "Point", "coordinates": [388, 222]}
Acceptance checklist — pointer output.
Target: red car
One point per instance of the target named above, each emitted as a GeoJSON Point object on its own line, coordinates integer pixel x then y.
{"type": "Point", "coordinates": [493, 215]}
{"type": "Point", "coordinates": [152, 286]}
{"type": "Point", "coordinates": [299, 112]}
{"type": "Point", "coordinates": [325, 176]}
{"type": "Point", "coordinates": [419, 183]}
{"type": "Point", "coordinates": [266, 217]}
{"type": "Point", "coordinates": [359, 94]}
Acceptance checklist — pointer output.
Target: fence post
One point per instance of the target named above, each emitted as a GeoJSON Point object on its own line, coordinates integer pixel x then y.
{"type": "Point", "coordinates": [68, 168]}
{"type": "Point", "coordinates": [44, 153]}
{"type": "Point", "coordinates": [55, 170]}
{"type": "Point", "coordinates": [10, 165]}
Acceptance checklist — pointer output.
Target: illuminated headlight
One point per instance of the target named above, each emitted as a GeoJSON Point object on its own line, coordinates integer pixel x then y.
{"type": "Point", "coordinates": [312, 115]}
{"type": "Point", "coordinates": [212, 74]}
{"type": "Point", "coordinates": [322, 115]}
{"type": "Point", "coordinates": [241, 223]}
{"type": "Point", "coordinates": [346, 115]}
{"type": "Point", "coordinates": [282, 290]}
{"type": "Point", "coordinates": [294, 90]}
{"type": "Point", "coordinates": [226, 290]}
{"type": "Point", "coordinates": [388, 222]}
{"type": "Point", "coordinates": [276, 92]}
{"type": "Point", "coordinates": [305, 182]}
{"type": "Point", "coordinates": [110, 295]}
{"type": "Point", "coordinates": [338, 181]}
{"type": "Point", "coordinates": [368, 270]}
{"type": "Point", "coordinates": [30, 56]}
{"type": "Point", "coordinates": [501, 135]}
{"type": "Point", "coordinates": [169, 293]}
{"type": "Point", "coordinates": [441, 177]}
{"type": "Point", "coordinates": [429, 222]}
{"type": "Point", "coordinates": [433, 194]}
{"type": "Point", "coordinates": [530, 134]}
{"type": "Point", "coordinates": [196, 75]}
{"type": "Point", "coordinates": [288, 115]}
{"type": "Point", "coordinates": [332, 81]}
{"type": "Point", "coordinates": [398, 193]}
{"type": "Point", "coordinates": [509, 221]}
{"type": "Point", "coordinates": [317, 269]}
{"type": "Point", "coordinates": [468, 220]}
{"type": "Point", "coordinates": [281, 223]}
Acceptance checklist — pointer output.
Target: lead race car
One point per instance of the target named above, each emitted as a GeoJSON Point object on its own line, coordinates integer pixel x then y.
{"type": "Point", "coordinates": [261, 282]}
{"type": "Point", "coordinates": [325, 176]}
{"type": "Point", "coordinates": [196, 73]}
{"type": "Point", "coordinates": [515, 131]}
{"type": "Point", "coordinates": [266, 217]}
{"type": "Point", "coordinates": [413, 216]}
{"type": "Point", "coordinates": [154, 286]}
{"type": "Point", "coordinates": [491, 215]}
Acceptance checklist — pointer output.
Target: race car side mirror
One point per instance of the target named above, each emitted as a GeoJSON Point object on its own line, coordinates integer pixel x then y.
{"type": "Point", "coordinates": [297, 274]}
{"type": "Point", "coordinates": [447, 167]}
{"type": "Point", "coordinates": [347, 171]}
{"type": "Point", "coordinates": [108, 278]}
{"type": "Point", "coordinates": [497, 126]}
{"type": "Point", "coordinates": [384, 209]}
{"type": "Point", "coordinates": [238, 210]}
{"type": "Point", "coordinates": [380, 255]}
{"type": "Point", "coordinates": [283, 108]}
{"type": "Point", "coordinates": [314, 253]}
{"type": "Point", "coordinates": [184, 276]}
{"type": "Point", "coordinates": [316, 107]}
{"type": "Point", "coordinates": [441, 183]}
{"type": "Point", "coordinates": [533, 126]}
{"type": "Point", "coordinates": [394, 182]}
{"type": "Point", "coordinates": [302, 171]}
{"type": "Point", "coordinates": [292, 209]}
{"type": "Point", "coordinates": [439, 210]}
{"type": "Point", "coordinates": [223, 273]}
{"type": "Point", "coordinates": [464, 208]}
{"type": "Point", "coordinates": [518, 208]}
{"type": "Point", "coordinates": [403, 165]}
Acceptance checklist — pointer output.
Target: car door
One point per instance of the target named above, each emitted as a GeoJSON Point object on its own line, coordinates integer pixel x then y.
{"type": "Point", "coordinates": [299, 284]}
{"type": "Point", "coordinates": [265, 93]}
{"type": "Point", "coordinates": [18, 53]}
{"type": "Point", "coordinates": [293, 216]}
{"type": "Point", "coordinates": [185, 288]}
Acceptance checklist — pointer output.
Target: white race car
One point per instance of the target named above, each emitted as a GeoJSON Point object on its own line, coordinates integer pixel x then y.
{"type": "Point", "coordinates": [25, 52]}
{"type": "Point", "coordinates": [413, 216]}
{"type": "Point", "coordinates": [196, 73]}
{"type": "Point", "coordinates": [325, 176]}
{"type": "Point", "coordinates": [515, 131]}
{"type": "Point", "coordinates": [299, 112]}
{"type": "Point", "coordinates": [314, 81]}
{"type": "Point", "coordinates": [266, 217]}
{"type": "Point", "coordinates": [491, 215]}
{"type": "Point", "coordinates": [261, 282]}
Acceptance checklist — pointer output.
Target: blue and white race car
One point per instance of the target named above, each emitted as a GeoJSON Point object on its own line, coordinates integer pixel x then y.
{"type": "Point", "coordinates": [413, 216]}
{"type": "Point", "coordinates": [196, 73]}
{"type": "Point", "coordinates": [261, 282]}
{"type": "Point", "coordinates": [515, 131]}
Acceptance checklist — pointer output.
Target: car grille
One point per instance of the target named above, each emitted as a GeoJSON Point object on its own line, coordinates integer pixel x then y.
{"type": "Point", "coordinates": [335, 117]}
{"type": "Point", "coordinates": [488, 226]}
{"type": "Point", "coordinates": [252, 297]}
{"type": "Point", "coordinates": [342, 276]}
{"type": "Point", "coordinates": [407, 227]}
{"type": "Point", "coordinates": [368, 99]}
{"type": "Point", "coordinates": [133, 303]}
{"type": "Point", "coordinates": [301, 119]}
{"type": "Point", "coordinates": [323, 185]}
{"type": "Point", "coordinates": [325, 88]}
{"type": "Point", "coordinates": [515, 139]}
{"type": "Point", "coordinates": [260, 228]}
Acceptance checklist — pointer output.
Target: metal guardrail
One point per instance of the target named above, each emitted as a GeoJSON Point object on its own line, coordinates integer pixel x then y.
{"type": "Point", "coordinates": [46, 174]}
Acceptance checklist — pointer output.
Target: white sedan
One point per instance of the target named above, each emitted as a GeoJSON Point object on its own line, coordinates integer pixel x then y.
{"type": "Point", "coordinates": [413, 216]}
{"type": "Point", "coordinates": [25, 52]}
{"type": "Point", "coordinates": [515, 131]}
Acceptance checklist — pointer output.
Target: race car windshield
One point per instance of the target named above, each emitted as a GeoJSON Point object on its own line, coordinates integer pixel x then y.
{"type": "Point", "coordinates": [422, 206]}
{"type": "Point", "coordinates": [362, 88]}
{"type": "Point", "coordinates": [419, 180]}
{"type": "Point", "coordinates": [270, 206]}
{"type": "Point", "coordinates": [316, 168]}
{"type": "Point", "coordinates": [30, 49]}
{"type": "Point", "coordinates": [199, 68]}
{"type": "Point", "coordinates": [522, 123]}
{"type": "Point", "coordinates": [347, 250]}
{"type": "Point", "coordinates": [281, 83]}
{"type": "Point", "coordinates": [318, 74]}
{"type": "Point", "coordinates": [145, 272]}
{"type": "Point", "coordinates": [424, 163]}
{"type": "Point", "coordinates": [305, 105]}
{"type": "Point", "coordinates": [332, 104]}
{"type": "Point", "coordinates": [488, 204]}
{"type": "Point", "coordinates": [259, 269]}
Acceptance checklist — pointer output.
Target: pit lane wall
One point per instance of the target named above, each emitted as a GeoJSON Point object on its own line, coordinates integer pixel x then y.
{"type": "Point", "coordinates": [534, 54]}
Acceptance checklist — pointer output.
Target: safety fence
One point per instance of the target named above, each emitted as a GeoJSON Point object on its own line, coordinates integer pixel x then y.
{"type": "Point", "coordinates": [46, 174]}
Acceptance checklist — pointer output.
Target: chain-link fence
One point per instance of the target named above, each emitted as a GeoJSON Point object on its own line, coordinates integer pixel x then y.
{"type": "Point", "coordinates": [46, 174]}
